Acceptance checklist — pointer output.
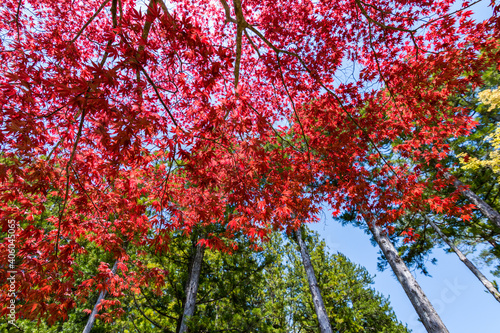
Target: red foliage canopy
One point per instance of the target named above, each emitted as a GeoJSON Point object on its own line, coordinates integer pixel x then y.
{"type": "Point", "coordinates": [121, 122]}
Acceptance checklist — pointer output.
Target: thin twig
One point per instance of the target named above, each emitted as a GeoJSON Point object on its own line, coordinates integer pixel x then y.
{"type": "Point", "coordinates": [295, 111]}
{"type": "Point", "coordinates": [73, 153]}
{"type": "Point", "coordinates": [90, 20]}
{"type": "Point", "coordinates": [368, 17]}
{"type": "Point", "coordinates": [149, 319]}
{"type": "Point", "coordinates": [449, 14]}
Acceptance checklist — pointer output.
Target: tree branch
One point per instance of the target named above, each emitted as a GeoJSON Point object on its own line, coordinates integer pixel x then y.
{"type": "Point", "coordinates": [90, 21]}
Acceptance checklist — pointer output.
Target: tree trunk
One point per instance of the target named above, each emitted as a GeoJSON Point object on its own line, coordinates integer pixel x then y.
{"type": "Point", "coordinates": [102, 295]}
{"type": "Point", "coordinates": [486, 209]}
{"type": "Point", "coordinates": [491, 288]}
{"type": "Point", "coordinates": [428, 315]}
{"type": "Point", "coordinates": [319, 306]}
{"type": "Point", "coordinates": [192, 287]}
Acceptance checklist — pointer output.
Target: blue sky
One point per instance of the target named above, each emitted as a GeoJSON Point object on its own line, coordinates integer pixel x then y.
{"type": "Point", "coordinates": [459, 298]}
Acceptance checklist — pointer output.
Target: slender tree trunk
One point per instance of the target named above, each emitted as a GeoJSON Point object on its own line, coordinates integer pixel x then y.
{"type": "Point", "coordinates": [102, 295]}
{"type": "Point", "coordinates": [192, 287]}
{"type": "Point", "coordinates": [486, 209]}
{"type": "Point", "coordinates": [428, 315]}
{"type": "Point", "coordinates": [491, 288]}
{"type": "Point", "coordinates": [319, 306]}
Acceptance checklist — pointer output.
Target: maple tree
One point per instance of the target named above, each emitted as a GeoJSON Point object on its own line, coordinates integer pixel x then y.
{"type": "Point", "coordinates": [210, 113]}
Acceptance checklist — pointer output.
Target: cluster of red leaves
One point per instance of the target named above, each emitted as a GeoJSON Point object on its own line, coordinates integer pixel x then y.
{"type": "Point", "coordinates": [119, 125]}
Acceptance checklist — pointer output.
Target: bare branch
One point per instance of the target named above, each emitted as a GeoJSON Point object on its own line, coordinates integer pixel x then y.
{"type": "Point", "coordinates": [73, 153]}
{"type": "Point", "coordinates": [294, 111]}
{"type": "Point", "coordinates": [228, 12]}
{"type": "Point", "coordinates": [149, 319]}
{"type": "Point", "coordinates": [365, 14]}
{"type": "Point", "coordinates": [238, 56]}
{"type": "Point", "coordinates": [17, 18]}
{"type": "Point", "coordinates": [449, 14]}
{"type": "Point", "coordinates": [90, 20]}
{"type": "Point", "coordinates": [251, 42]}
